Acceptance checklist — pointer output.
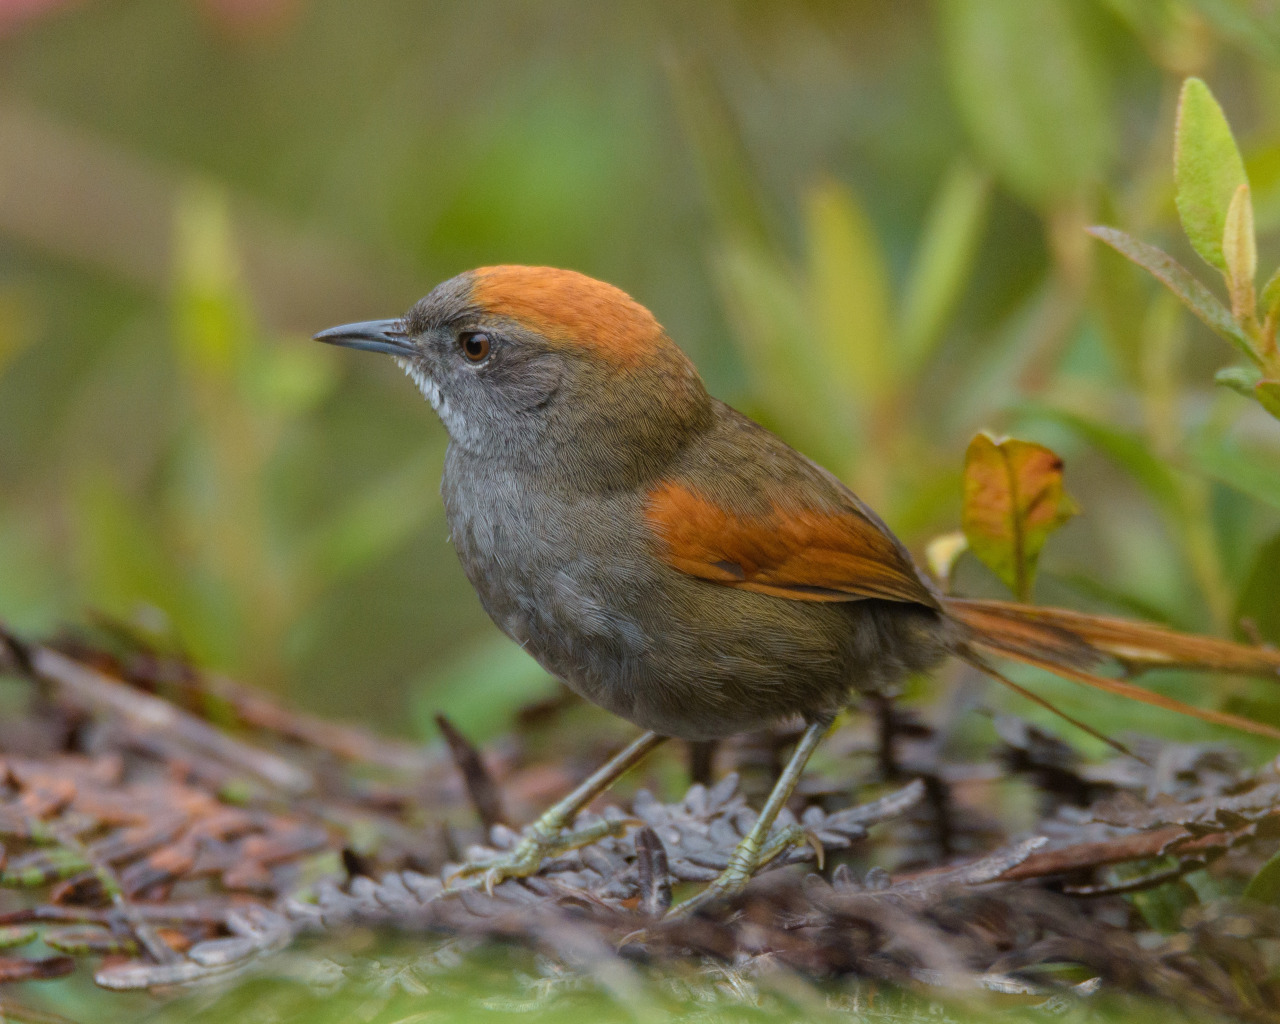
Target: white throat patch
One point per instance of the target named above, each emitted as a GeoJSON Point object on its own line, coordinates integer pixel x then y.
{"type": "Point", "coordinates": [431, 392]}
{"type": "Point", "coordinates": [429, 388]}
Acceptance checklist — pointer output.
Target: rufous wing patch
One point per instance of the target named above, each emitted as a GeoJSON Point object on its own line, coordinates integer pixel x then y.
{"type": "Point", "coordinates": [801, 554]}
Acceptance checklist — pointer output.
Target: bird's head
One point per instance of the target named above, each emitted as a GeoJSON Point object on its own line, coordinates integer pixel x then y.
{"type": "Point", "coordinates": [539, 365]}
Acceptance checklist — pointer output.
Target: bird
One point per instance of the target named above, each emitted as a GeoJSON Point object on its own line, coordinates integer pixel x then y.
{"type": "Point", "coordinates": [678, 564]}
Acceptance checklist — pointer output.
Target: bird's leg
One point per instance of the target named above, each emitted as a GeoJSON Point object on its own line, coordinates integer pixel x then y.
{"type": "Point", "coordinates": [886, 719]}
{"type": "Point", "coordinates": [757, 846]}
{"type": "Point", "coordinates": [548, 836]}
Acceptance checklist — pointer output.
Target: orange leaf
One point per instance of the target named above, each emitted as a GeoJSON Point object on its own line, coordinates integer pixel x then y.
{"type": "Point", "coordinates": [1013, 500]}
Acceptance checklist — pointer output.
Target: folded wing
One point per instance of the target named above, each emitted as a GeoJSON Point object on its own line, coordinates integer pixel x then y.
{"type": "Point", "coordinates": [805, 554]}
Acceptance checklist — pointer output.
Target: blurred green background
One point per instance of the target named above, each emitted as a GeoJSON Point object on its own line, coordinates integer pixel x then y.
{"type": "Point", "coordinates": [863, 221]}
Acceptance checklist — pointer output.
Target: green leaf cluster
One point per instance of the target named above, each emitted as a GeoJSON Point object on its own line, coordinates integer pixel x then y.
{"type": "Point", "coordinates": [878, 350]}
{"type": "Point", "coordinates": [1215, 207]}
{"type": "Point", "coordinates": [863, 222]}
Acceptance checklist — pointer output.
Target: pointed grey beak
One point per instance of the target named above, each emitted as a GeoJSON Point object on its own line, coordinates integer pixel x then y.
{"type": "Point", "coordinates": [370, 336]}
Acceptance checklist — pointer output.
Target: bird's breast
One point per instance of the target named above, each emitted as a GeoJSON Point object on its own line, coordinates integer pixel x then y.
{"type": "Point", "coordinates": [575, 582]}
{"type": "Point", "coordinates": [562, 577]}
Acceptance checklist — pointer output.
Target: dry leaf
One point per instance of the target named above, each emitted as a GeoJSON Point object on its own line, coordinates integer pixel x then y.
{"type": "Point", "coordinates": [1013, 500]}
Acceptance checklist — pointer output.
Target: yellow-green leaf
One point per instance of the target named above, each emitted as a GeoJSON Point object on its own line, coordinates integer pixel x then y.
{"type": "Point", "coordinates": [375, 520]}
{"type": "Point", "coordinates": [1207, 170]}
{"type": "Point", "coordinates": [1257, 602]}
{"type": "Point", "coordinates": [718, 151]}
{"type": "Point", "coordinates": [849, 288]}
{"type": "Point", "coordinates": [1250, 469]}
{"type": "Point", "coordinates": [1270, 297]}
{"type": "Point", "coordinates": [1174, 276]}
{"type": "Point", "coordinates": [211, 321]}
{"type": "Point", "coordinates": [1013, 500]}
{"type": "Point", "coordinates": [769, 310]}
{"type": "Point", "coordinates": [1267, 392]}
{"type": "Point", "coordinates": [1240, 379]}
{"type": "Point", "coordinates": [1240, 250]}
{"type": "Point", "coordinates": [942, 554]}
{"type": "Point", "coordinates": [15, 327]}
{"type": "Point", "coordinates": [943, 262]}
{"type": "Point", "coordinates": [1029, 87]}
{"type": "Point", "coordinates": [1264, 887]}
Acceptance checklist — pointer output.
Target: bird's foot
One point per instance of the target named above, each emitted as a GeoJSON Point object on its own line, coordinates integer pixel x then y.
{"type": "Point", "coordinates": [541, 841]}
{"type": "Point", "coordinates": [747, 858]}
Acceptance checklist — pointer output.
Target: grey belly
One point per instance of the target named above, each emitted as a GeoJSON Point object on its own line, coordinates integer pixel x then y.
{"type": "Point", "coordinates": [669, 652]}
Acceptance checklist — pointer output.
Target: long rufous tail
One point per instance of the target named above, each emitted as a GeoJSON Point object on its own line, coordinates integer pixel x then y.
{"type": "Point", "coordinates": [1070, 644]}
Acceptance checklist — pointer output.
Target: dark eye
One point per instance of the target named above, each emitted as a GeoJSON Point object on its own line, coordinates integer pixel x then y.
{"type": "Point", "coordinates": [475, 346]}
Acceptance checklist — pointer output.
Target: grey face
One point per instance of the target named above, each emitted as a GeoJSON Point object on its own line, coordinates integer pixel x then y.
{"type": "Point", "coordinates": [506, 393]}
{"type": "Point", "coordinates": [492, 381]}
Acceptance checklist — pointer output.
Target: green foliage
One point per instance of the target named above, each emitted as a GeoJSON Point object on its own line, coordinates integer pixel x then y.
{"type": "Point", "coordinates": [864, 222]}
{"type": "Point", "coordinates": [1215, 207]}
{"type": "Point", "coordinates": [848, 294]}
{"type": "Point", "coordinates": [409, 980]}
{"type": "Point", "coordinates": [1271, 297]}
{"type": "Point", "coordinates": [1265, 885]}
{"type": "Point", "coordinates": [1030, 92]}
{"type": "Point", "coordinates": [865, 228]}
{"type": "Point", "coordinates": [1267, 392]}
{"type": "Point", "coordinates": [943, 261]}
{"type": "Point", "coordinates": [833, 352]}
{"type": "Point", "coordinates": [1013, 501]}
{"type": "Point", "coordinates": [1190, 292]}
{"type": "Point", "coordinates": [1207, 168]}
{"type": "Point", "coordinates": [877, 396]}
{"type": "Point", "coordinates": [1257, 604]}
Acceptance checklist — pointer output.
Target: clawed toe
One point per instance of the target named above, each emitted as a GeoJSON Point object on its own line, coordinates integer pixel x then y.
{"type": "Point", "coordinates": [528, 856]}
{"type": "Point", "coordinates": [522, 862]}
{"type": "Point", "coordinates": [745, 861]}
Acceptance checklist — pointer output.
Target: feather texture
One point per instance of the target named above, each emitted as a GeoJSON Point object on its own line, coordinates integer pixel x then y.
{"type": "Point", "coordinates": [833, 554]}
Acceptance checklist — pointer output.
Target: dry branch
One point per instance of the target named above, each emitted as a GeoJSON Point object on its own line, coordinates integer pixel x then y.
{"type": "Point", "coordinates": [131, 851]}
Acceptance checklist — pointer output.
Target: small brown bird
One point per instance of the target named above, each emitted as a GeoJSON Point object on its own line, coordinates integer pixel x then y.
{"type": "Point", "coordinates": [675, 562]}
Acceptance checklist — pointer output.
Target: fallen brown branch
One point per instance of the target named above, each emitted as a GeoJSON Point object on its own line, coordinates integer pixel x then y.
{"type": "Point", "coordinates": [97, 691]}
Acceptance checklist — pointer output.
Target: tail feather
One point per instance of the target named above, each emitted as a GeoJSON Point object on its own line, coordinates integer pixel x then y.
{"type": "Point", "coordinates": [982, 665]}
{"type": "Point", "coordinates": [1069, 644]}
{"type": "Point", "coordinates": [1085, 639]}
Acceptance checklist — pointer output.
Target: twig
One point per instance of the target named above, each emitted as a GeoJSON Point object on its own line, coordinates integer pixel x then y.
{"type": "Point", "coordinates": [142, 930]}
{"type": "Point", "coordinates": [481, 788]}
{"type": "Point", "coordinates": [702, 756]}
{"type": "Point", "coordinates": [257, 712]}
{"type": "Point", "coordinates": [654, 874]}
{"type": "Point", "coordinates": [101, 692]}
{"type": "Point", "coordinates": [1142, 846]}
